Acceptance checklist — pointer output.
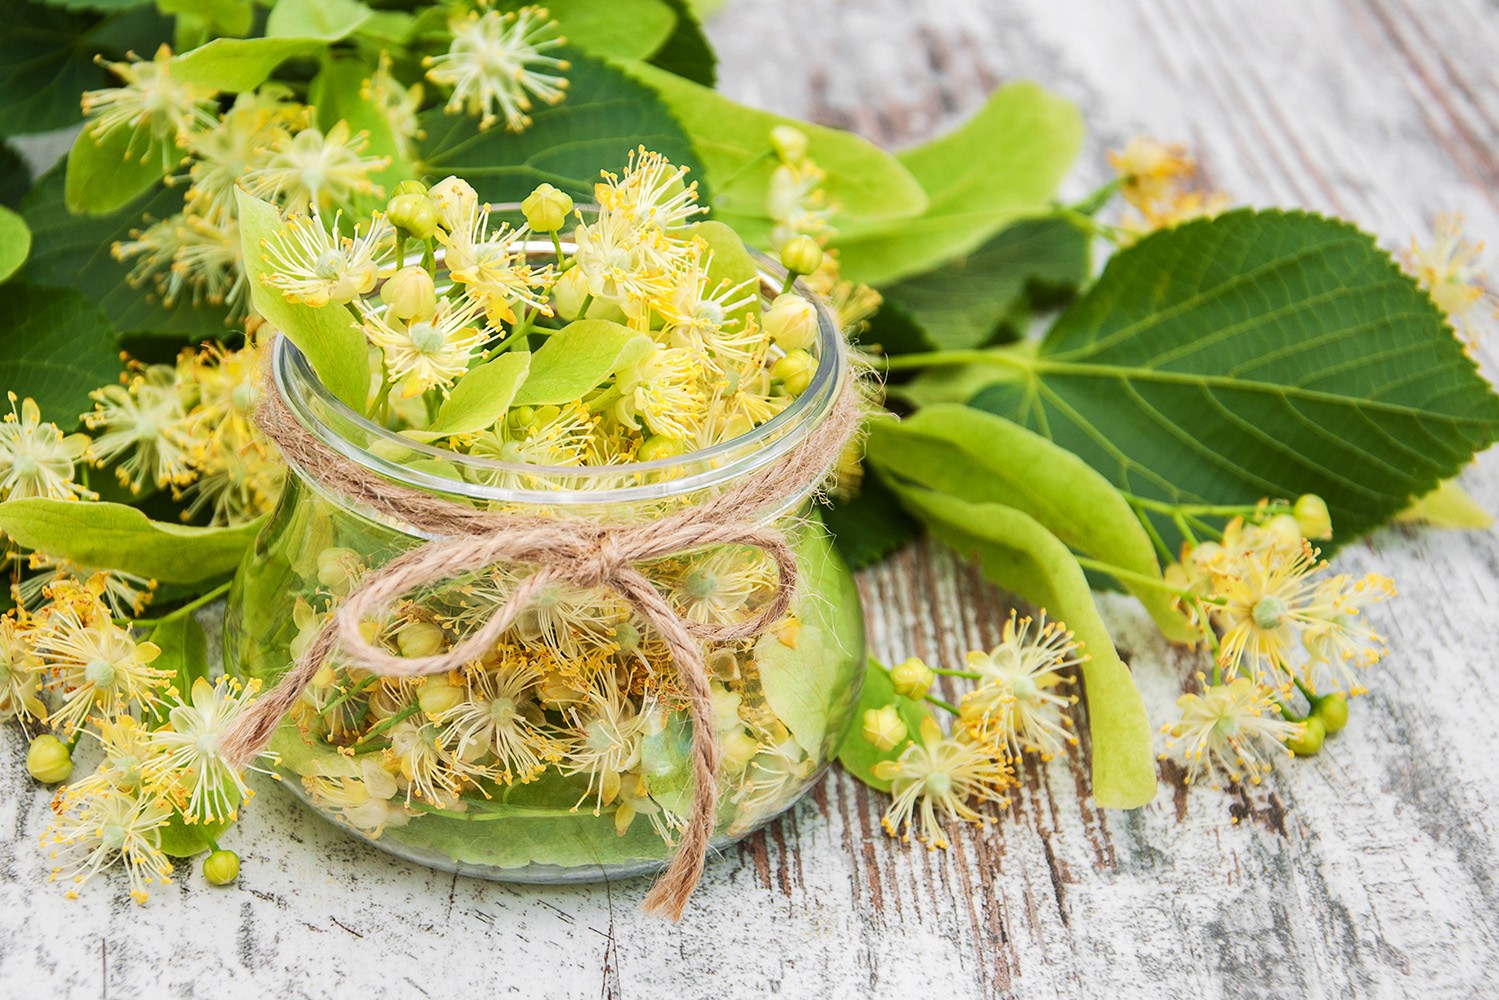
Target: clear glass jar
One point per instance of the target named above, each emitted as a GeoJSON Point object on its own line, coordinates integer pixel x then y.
{"type": "Point", "coordinates": [567, 753]}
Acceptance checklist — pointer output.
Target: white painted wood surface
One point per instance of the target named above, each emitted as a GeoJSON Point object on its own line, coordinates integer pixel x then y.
{"type": "Point", "coordinates": [1368, 871]}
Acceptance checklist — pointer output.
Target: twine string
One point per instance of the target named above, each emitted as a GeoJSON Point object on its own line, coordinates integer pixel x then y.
{"type": "Point", "coordinates": [585, 554]}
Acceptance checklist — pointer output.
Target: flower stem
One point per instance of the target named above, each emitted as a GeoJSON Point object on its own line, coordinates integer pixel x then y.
{"type": "Point", "coordinates": [357, 687]}
{"type": "Point", "coordinates": [186, 609]}
{"type": "Point", "coordinates": [583, 309]}
{"type": "Point", "coordinates": [935, 359]}
{"type": "Point", "coordinates": [942, 704]}
{"type": "Point", "coordinates": [972, 675]}
{"type": "Point", "coordinates": [390, 723]}
{"type": "Point", "coordinates": [557, 246]}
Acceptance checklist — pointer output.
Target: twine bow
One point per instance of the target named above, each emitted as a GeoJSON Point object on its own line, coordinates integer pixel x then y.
{"type": "Point", "coordinates": [581, 553]}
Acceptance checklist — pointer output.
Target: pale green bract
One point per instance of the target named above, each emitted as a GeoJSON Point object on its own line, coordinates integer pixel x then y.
{"type": "Point", "coordinates": [577, 358]}
{"type": "Point", "coordinates": [479, 398]}
{"type": "Point", "coordinates": [15, 242]}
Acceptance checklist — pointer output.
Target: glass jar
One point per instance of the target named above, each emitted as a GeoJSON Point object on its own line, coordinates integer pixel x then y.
{"type": "Point", "coordinates": [564, 756]}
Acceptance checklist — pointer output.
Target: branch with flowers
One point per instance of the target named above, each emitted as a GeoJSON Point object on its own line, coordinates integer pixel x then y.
{"type": "Point", "coordinates": [1236, 394]}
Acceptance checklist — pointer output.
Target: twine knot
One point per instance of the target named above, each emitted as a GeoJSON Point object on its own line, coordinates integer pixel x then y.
{"type": "Point", "coordinates": [585, 554]}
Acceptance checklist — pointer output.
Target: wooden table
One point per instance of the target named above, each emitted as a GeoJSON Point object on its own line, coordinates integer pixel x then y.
{"type": "Point", "coordinates": [1367, 871]}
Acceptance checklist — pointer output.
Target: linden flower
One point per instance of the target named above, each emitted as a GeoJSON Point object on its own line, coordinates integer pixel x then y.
{"type": "Point", "coordinates": [125, 594]}
{"type": "Point", "coordinates": [1340, 642]}
{"type": "Point", "coordinates": [432, 772]}
{"type": "Point", "coordinates": [144, 424]}
{"type": "Point", "coordinates": [1151, 171]}
{"type": "Point", "coordinates": [1266, 598]}
{"type": "Point", "coordinates": [159, 109]}
{"type": "Point", "coordinates": [188, 765]}
{"type": "Point", "coordinates": [720, 585]}
{"type": "Point", "coordinates": [570, 621]}
{"type": "Point", "coordinates": [493, 264]}
{"type": "Point", "coordinates": [127, 750]}
{"type": "Point", "coordinates": [497, 63]}
{"type": "Point", "coordinates": [184, 255]}
{"type": "Point", "coordinates": [1448, 268]}
{"type": "Point", "coordinates": [235, 486]}
{"type": "Point", "coordinates": [797, 203]}
{"type": "Point", "coordinates": [37, 459]}
{"type": "Point", "coordinates": [1016, 705]}
{"type": "Point", "coordinates": [555, 435]}
{"type": "Point", "coordinates": [701, 320]}
{"type": "Point", "coordinates": [239, 141]}
{"type": "Point", "coordinates": [773, 778]}
{"type": "Point", "coordinates": [95, 662]}
{"type": "Point", "coordinates": [20, 672]}
{"type": "Point", "coordinates": [1225, 731]}
{"type": "Point", "coordinates": [662, 390]}
{"type": "Point", "coordinates": [939, 776]}
{"type": "Point", "coordinates": [635, 800]}
{"type": "Point", "coordinates": [314, 266]}
{"type": "Point", "coordinates": [619, 262]}
{"type": "Point", "coordinates": [652, 193]}
{"type": "Point", "coordinates": [316, 169]}
{"type": "Point", "coordinates": [607, 741]}
{"type": "Point", "coordinates": [499, 716]}
{"type": "Point", "coordinates": [366, 802]}
{"type": "Point", "coordinates": [398, 103]}
{"type": "Point", "coordinates": [427, 353]}
{"type": "Point", "coordinates": [95, 828]}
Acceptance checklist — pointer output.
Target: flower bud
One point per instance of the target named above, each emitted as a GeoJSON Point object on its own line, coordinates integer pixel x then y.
{"type": "Point", "coordinates": [1312, 516]}
{"type": "Point", "coordinates": [789, 142]}
{"type": "Point", "coordinates": [883, 727]}
{"type": "Point", "coordinates": [801, 255]}
{"type": "Point", "coordinates": [49, 760]}
{"type": "Point", "coordinates": [568, 293]}
{"type": "Point", "coordinates": [1333, 711]}
{"type": "Point", "coordinates": [912, 679]}
{"type": "Point", "coordinates": [410, 187]}
{"type": "Point", "coordinates": [221, 867]}
{"type": "Point", "coordinates": [1284, 529]}
{"type": "Point", "coordinates": [795, 371]}
{"type": "Point", "coordinates": [421, 639]}
{"type": "Point", "coordinates": [438, 696]}
{"type": "Point", "coordinates": [336, 568]}
{"type": "Point", "coordinates": [791, 321]}
{"type": "Point", "coordinates": [455, 199]}
{"type": "Point", "coordinates": [657, 446]}
{"type": "Point", "coordinates": [1310, 740]}
{"type": "Point", "coordinates": [546, 209]}
{"type": "Point", "coordinates": [410, 293]}
{"type": "Point", "coordinates": [413, 214]}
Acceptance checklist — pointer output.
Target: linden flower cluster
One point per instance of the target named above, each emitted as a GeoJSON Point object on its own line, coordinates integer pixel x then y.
{"type": "Point", "coordinates": [707, 365]}
{"type": "Point", "coordinates": [1160, 182]}
{"type": "Point", "coordinates": [72, 668]}
{"type": "Point", "coordinates": [577, 701]}
{"type": "Point", "coordinates": [1286, 632]}
{"type": "Point", "coordinates": [1017, 704]}
{"type": "Point", "coordinates": [1449, 270]}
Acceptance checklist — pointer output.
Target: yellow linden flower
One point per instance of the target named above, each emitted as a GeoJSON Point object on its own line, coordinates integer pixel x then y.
{"type": "Point", "coordinates": [36, 458]}
{"type": "Point", "coordinates": [20, 671]}
{"type": "Point", "coordinates": [493, 264]}
{"type": "Point", "coordinates": [938, 777]}
{"type": "Point", "coordinates": [497, 63]}
{"type": "Point", "coordinates": [653, 194]}
{"type": "Point", "coordinates": [311, 264]}
{"type": "Point", "coordinates": [1016, 705]}
{"type": "Point", "coordinates": [158, 108]}
{"type": "Point", "coordinates": [126, 594]}
{"type": "Point", "coordinates": [1226, 732]}
{"type": "Point", "coordinates": [1151, 171]}
{"type": "Point", "coordinates": [398, 103]}
{"type": "Point", "coordinates": [187, 765]}
{"type": "Point", "coordinates": [1338, 638]}
{"type": "Point", "coordinates": [498, 718]}
{"type": "Point", "coordinates": [797, 204]}
{"type": "Point", "coordinates": [145, 428]}
{"type": "Point", "coordinates": [366, 801]}
{"type": "Point", "coordinates": [427, 353]}
{"type": "Point", "coordinates": [241, 139]}
{"type": "Point", "coordinates": [1449, 269]}
{"type": "Point", "coordinates": [721, 585]}
{"type": "Point", "coordinates": [664, 391]}
{"type": "Point", "coordinates": [1266, 598]}
{"type": "Point", "coordinates": [184, 255]}
{"type": "Point", "coordinates": [95, 827]}
{"type": "Point", "coordinates": [314, 169]}
{"type": "Point", "coordinates": [605, 741]}
{"type": "Point", "coordinates": [773, 778]}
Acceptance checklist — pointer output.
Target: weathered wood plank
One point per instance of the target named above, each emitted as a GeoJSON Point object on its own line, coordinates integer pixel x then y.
{"type": "Point", "coordinates": [1364, 872]}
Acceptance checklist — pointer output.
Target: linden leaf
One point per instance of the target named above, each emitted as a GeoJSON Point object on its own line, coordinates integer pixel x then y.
{"type": "Point", "coordinates": [15, 242]}
{"type": "Point", "coordinates": [57, 348]}
{"type": "Point", "coordinates": [479, 398]}
{"type": "Point", "coordinates": [234, 65]}
{"type": "Point", "coordinates": [577, 359]}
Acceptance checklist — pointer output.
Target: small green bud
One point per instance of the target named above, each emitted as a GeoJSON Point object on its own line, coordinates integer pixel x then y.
{"type": "Point", "coordinates": [410, 187]}
{"type": "Point", "coordinates": [791, 321]}
{"type": "Point", "coordinates": [413, 214]}
{"type": "Point", "coordinates": [789, 142]}
{"type": "Point", "coordinates": [1332, 709]}
{"type": "Point", "coordinates": [1312, 516]}
{"type": "Point", "coordinates": [546, 209]}
{"type": "Point", "coordinates": [221, 867]}
{"type": "Point", "coordinates": [421, 639]}
{"type": "Point", "coordinates": [410, 293]}
{"type": "Point", "coordinates": [883, 727]}
{"type": "Point", "coordinates": [795, 371]}
{"type": "Point", "coordinates": [336, 568]}
{"type": "Point", "coordinates": [521, 416]}
{"type": "Point", "coordinates": [658, 446]}
{"type": "Point", "coordinates": [912, 679]}
{"type": "Point", "coordinates": [438, 696]}
{"type": "Point", "coordinates": [49, 760]}
{"type": "Point", "coordinates": [801, 255]}
{"type": "Point", "coordinates": [1310, 741]}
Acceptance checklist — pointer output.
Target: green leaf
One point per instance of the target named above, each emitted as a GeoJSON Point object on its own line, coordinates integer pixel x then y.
{"type": "Point", "coordinates": [731, 264]}
{"type": "Point", "coordinates": [57, 348]}
{"type": "Point", "coordinates": [967, 301]}
{"type": "Point", "coordinates": [625, 29]}
{"type": "Point", "coordinates": [1258, 354]}
{"type": "Point", "coordinates": [15, 242]}
{"type": "Point", "coordinates": [1448, 506]}
{"type": "Point", "coordinates": [869, 526]}
{"type": "Point", "coordinates": [687, 51]}
{"type": "Point", "coordinates": [1018, 553]}
{"type": "Point", "coordinates": [982, 458]}
{"type": "Point", "coordinates": [866, 183]}
{"type": "Point", "coordinates": [232, 65]}
{"type": "Point", "coordinates": [480, 397]}
{"type": "Point", "coordinates": [605, 116]}
{"type": "Point", "coordinates": [857, 754]}
{"type": "Point", "coordinates": [222, 17]}
{"type": "Point", "coordinates": [74, 251]}
{"type": "Point", "coordinates": [324, 20]}
{"type": "Point", "coordinates": [101, 6]}
{"type": "Point", "coordinates": [46, 63]}
{"type": "Point", "coordinates": [577, 358]}
{"type": "Point", "coordinates": [108, 173]}
{"type": "Point", "coordinates": [114, 536]}
{"type": "Point", "coordinates": [184, 651]}
{"type": "Point", "coordinates": [330, 338]}
{"type": "Point", "coordinates": [337, 94]}
{"type": "Point", "coordinates": [1001, 165]}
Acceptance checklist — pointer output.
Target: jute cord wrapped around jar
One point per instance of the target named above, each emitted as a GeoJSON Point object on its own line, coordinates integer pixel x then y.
{"type": "Point", "coordinates": [582, 553]}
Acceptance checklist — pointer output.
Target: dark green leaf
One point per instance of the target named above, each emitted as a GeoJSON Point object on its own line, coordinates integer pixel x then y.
{"type": "Point", "coordinates": [687, 51]}
{"type": "Point", "coordinates": [1258, 354]}
{"type": "Point", "coordinates": [46, 63]}
{"type": "Point", "coordinates": [860, 756]}
{"type": "Point", "coordinates": [15, 177]}
{"type": "Point", "coordinates": [101, 6]}
{"type": "Point", "coordinates": [869, 526]}
{"type": "Point", "coordinates": [623, 29]}
{"type": "Point", "coordinates": [74, 251]}
{"type": "Point", "coordinates": [184, 651]}
{"type": "Point", "coordinates": [604, 118]}
{"type": "Point", "coordinates": [57, 348]}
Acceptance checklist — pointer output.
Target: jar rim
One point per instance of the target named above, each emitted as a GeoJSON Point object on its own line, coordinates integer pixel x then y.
{"type": "Point", "coordinates": [309, 399]}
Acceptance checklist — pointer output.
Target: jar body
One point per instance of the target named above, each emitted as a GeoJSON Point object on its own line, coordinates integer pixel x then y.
{"type": "Point", "coordinates": [564, 756]}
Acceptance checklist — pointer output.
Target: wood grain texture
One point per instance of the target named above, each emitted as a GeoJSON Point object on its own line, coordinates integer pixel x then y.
{"type": "Point", "coordinates": [1367, 871]}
